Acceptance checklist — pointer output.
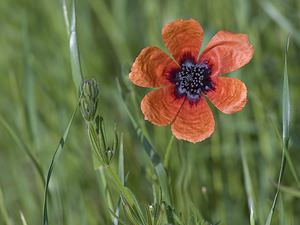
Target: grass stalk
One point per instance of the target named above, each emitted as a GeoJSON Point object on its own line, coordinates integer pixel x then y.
{"type": "Point", "coordinates": [248, 185]}
{"type": "Point", "coordinates": [3, 210]}
{"type": "Point", "coordinates": [55, 156]}
{"type": "Point", "coordinates": [168, 151]}
{"type": "Point", "coordinates": [23, 146]}
{"type": "Point", "coordinates": [151, 153]}
{"type": "Point", "coordinates": [286, 108]}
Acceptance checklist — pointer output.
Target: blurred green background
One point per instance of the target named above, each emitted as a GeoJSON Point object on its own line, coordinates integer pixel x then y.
{"type": "Point", "coordinates": [37, 98]}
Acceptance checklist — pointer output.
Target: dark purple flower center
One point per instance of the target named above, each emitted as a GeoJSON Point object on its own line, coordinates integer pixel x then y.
{"type": "Point", "coordinates": [192, 80]}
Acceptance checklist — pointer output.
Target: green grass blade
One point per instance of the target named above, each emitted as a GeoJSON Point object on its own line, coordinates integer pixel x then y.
{"type": "Point", "coordinates": [287, 155]}
{"type": "Point", "coordinates": [121, 161]}
{"type": "Point", "coordinates": [112, 29]}
{"type": "Point", "coordinates": [24, 222]}
{"type": "Point", "coordinates": [23, 146]}
{"type": "Point", "coordinates": [122, 178]}
{"type": "Point", "coordinates": [133, 209]}
{"type": "Point", "coordinates": [280, 19]}
{"type": "Point", "coordinates": [105, 191]}
{"type": "Point", "coordinates": [286, 105]}
{"type": "Point", "coordinates": [129, 200]}
{"type": "Point", "coordinates": [248, 185]}
{"type": "Point", "coordinates": [291, 191]}
{"type": "Point", "coordinates": [127, 196]}
{"type": "Point", "coordinates": [168, 151]}
{"type": "Point", "coordinates": [74, 50]}
{"type": "Point", "coordinates": [29, 95]}
{"type": "Point", "coordinates": [66, 16]}
{"type": "Point", "coordinates": [3, 211]}
{"type": "Point", "coordinates": [56, 154]}
{"type": "Point", "coordinates": [285, 131]}
{"type": "Point", "coordinates": [151, 152]}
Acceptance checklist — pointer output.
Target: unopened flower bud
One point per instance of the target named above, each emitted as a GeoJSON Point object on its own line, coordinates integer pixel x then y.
{"type": "Point", "coordinates": [89, 92]}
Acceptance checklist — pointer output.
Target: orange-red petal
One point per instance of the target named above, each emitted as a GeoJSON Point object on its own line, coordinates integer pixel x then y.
{"type": "Point", "coordinates": [183, 37]}
{"type": "Point", "coordinates": [150, 68]}
{"type": "Point", "coordinates": [161, 106]}
{"type": "Point", "coordinates": [227, 52]}
{"type": "Point", "coordinates": [194, 122]}
{"type": "Point", "coordinates": [229, 96]}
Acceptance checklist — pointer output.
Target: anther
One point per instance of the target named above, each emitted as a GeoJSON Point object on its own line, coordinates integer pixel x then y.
{"type": "Point", "coordinates": [193, 80]}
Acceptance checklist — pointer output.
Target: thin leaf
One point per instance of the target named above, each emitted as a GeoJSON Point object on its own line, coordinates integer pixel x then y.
{"type": "Point", "coordinates": [151, 152]}
{"type": "Point", "coordinates": [286, 105]}
{"type": "Point", "coordinates": [168, 151]}
{"type": "Point", "coordinates": [105, 191]}
{"type": "Point", "coordinates": [102, 132]}
{"type": "Point", "coordinates": [130, 202]}
{"type": "Point", "coordinates": [287, 155]}
{"type": "Point", "coordinates": [3, 211]}
{"type": "Point", "coordinates": [74, 50]}
{"type": "Point", "coordinates": [289, 190]}
{"type": "Point", "coordinates": [273, 12]}
{"type": "Point", "coordinates": [66, 16]}
{"type": "Point", "coordinates": [93, 137]}
{"type": "Point", "coordinates": [29, 94]}
{"type": "Point", "coordinates": [56, 154]}
{"type": "Point", "coordinates": [23, 219]}
{"type": "Point", "coordinates": [23, 146]}
{"type": "Point", "coordinates": [133, 208]}
{"type": "Point", "coordinates": [112, 29]}
{"type": "Point", "coordinates": [122, 178]}
{"type": "Point", "coordinates": [248, 184]}
{"type": "Point", "coordinates": [285, 132]}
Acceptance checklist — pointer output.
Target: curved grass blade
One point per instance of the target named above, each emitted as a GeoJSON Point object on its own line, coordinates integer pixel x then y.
{"type": "Point", "coordinates": [153, 156]}
{"type": "Point", "coordinates": [3, 211]}
{"type": "Point", "coordinates": [287, 155]}
{"type": "Point", "coordinates": [283, 22]}
{"type": "Point", "coordinates": [51, 167]}
{"type": "Point", "coordinates": [133, 211]}
{"type": "Point", "coordinates": [285, 130]}
{"type": "Point", "coordinates": [23, 218]}
{"type": "Point", "coordinates": [23, 146]}
{"type": "Point", "coordinates": [291, 191]}
{"type": "Point", "coordinates": [130, 202]}
{"type": "Point", "coordinates": [248, 183]}
{"type": "Point", "coordinates": [122, 178]}
{"type": "Point", "coordinates": [66, 16]}
{"type": "Point", "coordinates": [74, 50]}
{"type": "Point", "coordinates": [168, 151]}
{"type": "Point", "coordinates": [151, 152]}
{"type": "Point", "coordinates": [111, 28]}
{"type": "Point", "coordinates": [29, 95]}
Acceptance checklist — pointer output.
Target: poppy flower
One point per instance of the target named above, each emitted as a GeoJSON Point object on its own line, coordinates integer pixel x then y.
{"type": "Point", "coordinates": [182, 83]}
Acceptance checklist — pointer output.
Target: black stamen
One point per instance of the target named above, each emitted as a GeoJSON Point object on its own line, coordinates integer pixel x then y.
{"type": "Point", "coordinates": [192, 80]}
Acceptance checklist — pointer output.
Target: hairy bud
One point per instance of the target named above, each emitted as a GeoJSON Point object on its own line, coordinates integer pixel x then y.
{"type": "Point", "coordinates": [89, 92]}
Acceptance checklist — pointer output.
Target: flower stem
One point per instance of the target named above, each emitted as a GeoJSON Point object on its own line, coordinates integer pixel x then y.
{"type": "Point", "coordinates": [168, 151]}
